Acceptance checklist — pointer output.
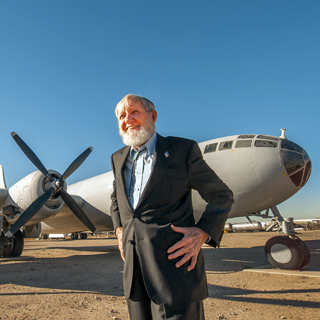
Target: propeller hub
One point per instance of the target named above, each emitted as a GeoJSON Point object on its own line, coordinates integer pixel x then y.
{"type": "Point", "coordinates": [59, 184]}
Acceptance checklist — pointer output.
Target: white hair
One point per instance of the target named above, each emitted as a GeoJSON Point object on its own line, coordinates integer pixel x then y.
{"type": "Point", "coordinates": [124, 102]}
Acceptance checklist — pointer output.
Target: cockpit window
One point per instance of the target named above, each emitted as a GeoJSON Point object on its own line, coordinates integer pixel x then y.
{"type": "Point", "coordinates": [265, 144]}
{"type": "Point", "coordinates": [293, 161]}
{"type": "Point", "coordinates": [305, 156]}
{"type": "Point", "coordinates": [225, 145]}
{"type": "Point", "coordinates": [243, 143]}
{"type": "Point", "coordinates": [289, 145]}
{"type": "Point", "coordinates": [306, 174]}
{"type": "Point", "coordinates": [296, 177]}
{"type": "Point", "coordinates": [261, 136]}
{"type": "Point", "coordinates": [247, 136]}
{"type": "Point", "coordinates": [210, 148]}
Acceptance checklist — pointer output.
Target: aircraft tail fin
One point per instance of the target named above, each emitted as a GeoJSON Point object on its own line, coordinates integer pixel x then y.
{"type": "Point", "coordinates": [2, 181]}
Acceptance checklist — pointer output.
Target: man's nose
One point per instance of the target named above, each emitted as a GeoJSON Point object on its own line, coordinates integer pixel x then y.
{"type": "Point", "coordinates": [128, 118]}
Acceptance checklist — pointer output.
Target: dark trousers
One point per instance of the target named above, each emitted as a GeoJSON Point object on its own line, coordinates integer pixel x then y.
{"type": "Point", "coordinates": [141, 307]}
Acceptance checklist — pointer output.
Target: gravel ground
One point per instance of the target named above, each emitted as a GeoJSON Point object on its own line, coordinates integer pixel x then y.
{"type": "Point", "coordinates": [82, 279]}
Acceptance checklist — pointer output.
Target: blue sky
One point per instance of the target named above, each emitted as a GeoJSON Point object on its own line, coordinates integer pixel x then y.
{"type": "Point", "coordinates": [212, 68]}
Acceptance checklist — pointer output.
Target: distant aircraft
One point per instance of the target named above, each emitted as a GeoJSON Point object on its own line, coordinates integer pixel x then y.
{"type": "Point", "coordinates": [261, 170]}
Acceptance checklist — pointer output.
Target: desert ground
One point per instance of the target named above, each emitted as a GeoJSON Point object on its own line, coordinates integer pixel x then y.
{"type": "Point", "coordinates": [82, 279]}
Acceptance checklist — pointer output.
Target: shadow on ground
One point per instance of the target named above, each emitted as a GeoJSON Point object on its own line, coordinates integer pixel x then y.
{"type": "Point", "coordinates": [102, 272]}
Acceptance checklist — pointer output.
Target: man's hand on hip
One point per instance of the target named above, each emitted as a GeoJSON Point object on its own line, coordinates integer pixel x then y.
{"type": "Point", "coordinates": [188, 247]}
{"type": "Point", "coordinates": [119, 237]}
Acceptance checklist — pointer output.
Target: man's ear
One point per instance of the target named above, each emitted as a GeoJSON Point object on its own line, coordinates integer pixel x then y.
{"type": "Point", "coordinates": [154, 116]}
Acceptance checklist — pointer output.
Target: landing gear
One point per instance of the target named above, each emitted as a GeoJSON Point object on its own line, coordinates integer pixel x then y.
{"type": "Point", "coordinates": [306, 252]}
{"type": "Point", "coordinates": [11, 247]}
{"type": "Point", "coordinates": [2, 244]}
{"type": "Point", "coordinates": [75, 236]}
{"type": "Point", "coordinates": [288, 251]}
{"type": "Point", "coordinates": [285, 252]}
{"type": "Point", "coordinates": [17, 244]}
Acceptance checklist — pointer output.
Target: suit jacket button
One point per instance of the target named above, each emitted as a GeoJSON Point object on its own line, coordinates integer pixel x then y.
{"type": "Point", "coordinates": [131, 241]}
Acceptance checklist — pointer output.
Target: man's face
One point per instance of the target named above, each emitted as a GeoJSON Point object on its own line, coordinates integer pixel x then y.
{"type": "Point", "coordinates": [136, 125]}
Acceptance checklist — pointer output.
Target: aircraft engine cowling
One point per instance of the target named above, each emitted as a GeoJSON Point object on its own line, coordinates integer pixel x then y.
{"type": "Point", "coordinates": [32, 231]}
{"type": "Point", "coordinates": [30, 188]}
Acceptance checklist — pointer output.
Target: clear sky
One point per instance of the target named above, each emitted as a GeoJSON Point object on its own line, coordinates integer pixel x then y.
{"type": "Point", "coordinates": [213, 68]}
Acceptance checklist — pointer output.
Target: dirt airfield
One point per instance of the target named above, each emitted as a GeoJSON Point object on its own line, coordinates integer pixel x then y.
{"type": "Point", "coordinates": [82, 279]}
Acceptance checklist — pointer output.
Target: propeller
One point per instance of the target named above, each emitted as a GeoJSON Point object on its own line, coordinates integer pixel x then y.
{"type": "Point", "coordinates": [31, 155]}
{"type": "Point", "coordinates": [76, 164]}
{"type": "Point", "coordinates": [56, 187]}
{"type": "Point", "coordinates": [30, 212]}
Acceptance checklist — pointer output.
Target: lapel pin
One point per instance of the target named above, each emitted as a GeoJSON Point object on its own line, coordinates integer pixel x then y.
{"type": "Point", "coordinates": [166, 154]}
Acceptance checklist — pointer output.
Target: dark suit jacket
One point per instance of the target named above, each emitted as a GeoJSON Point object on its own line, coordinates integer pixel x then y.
{"type": "Point", "coordinates": [166, 200]}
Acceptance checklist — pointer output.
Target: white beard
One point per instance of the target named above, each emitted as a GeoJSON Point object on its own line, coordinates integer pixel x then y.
{"type": "Point", "coordinates": [138, 137]}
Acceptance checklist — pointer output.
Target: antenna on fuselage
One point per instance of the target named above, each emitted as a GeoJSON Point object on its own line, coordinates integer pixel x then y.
{"type": "Point", "coordinates": [283, 136]}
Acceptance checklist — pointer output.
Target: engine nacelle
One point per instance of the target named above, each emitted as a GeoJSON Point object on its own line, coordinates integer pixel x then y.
{"type": "Point", "coordinates": [30, 188]}
{"type": "Point", "coordinates": [3, 189]}
{"type": "Point", "coordinates": [32, 231]}
{"type": "Point", "coordinates": [3, 196]}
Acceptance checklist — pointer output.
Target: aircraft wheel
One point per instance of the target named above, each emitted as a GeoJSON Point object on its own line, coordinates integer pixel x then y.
{"type": "Point", "coordinates": [2, 243]}
{"type": "Point", "coordinates": [17, 244]}
{"type": "Point", "coordinates": [74, 236]}
{"type": "Point", "coordinates": [81, 235]}
{"type": "Point", "coordinates": [284, 252]}
{"type": "Point", "coordinates": [306, 251]}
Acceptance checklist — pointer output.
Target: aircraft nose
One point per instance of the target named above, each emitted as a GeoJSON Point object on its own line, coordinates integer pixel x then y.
{"type": "Point", "coordinates": [296, 162]}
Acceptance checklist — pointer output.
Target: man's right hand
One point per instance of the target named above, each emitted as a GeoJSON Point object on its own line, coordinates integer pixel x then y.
{"type": "Point", "coordinates": [119, 237]}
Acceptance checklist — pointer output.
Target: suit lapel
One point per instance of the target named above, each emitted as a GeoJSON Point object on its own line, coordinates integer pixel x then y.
{"type": "Point", "coordinates": [120, 163]}
{"type": "Point", "coordinates": [163, 155]}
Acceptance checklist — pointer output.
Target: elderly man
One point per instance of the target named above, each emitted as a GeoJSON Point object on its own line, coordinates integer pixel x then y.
{"type": "Point", "coordinates": [164, 275]}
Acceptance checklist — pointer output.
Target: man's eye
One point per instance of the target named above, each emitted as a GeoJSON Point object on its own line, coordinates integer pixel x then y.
{"type": "Point", "coordinates": [122, 116]}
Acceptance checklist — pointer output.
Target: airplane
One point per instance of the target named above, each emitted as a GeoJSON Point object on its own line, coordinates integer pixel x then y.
{"type": "Point", "coordinates": [261, 170]}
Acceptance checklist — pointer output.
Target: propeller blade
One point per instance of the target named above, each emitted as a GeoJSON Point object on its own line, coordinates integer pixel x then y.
{"type": "Point", "coordinates": [79, 213]}
{"type": "Point", "coordinates": [30, 212]}
{"type": "Point", "coordinates": [31, 155]}
{"type": "Point", "coordinates": [76, 163]}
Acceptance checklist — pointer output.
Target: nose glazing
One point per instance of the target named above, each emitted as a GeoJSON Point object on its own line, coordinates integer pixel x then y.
{"type": "Point", "coordinates": [296, 162]}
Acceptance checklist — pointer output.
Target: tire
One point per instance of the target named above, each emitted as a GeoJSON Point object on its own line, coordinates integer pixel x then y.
{"type": "Point", "coordinates": [284, 252]}
{"type": "Point", "coordinates": [306, 251]}
{"type": "Point", "coordinates": [18, 243]}
{"type": "Point", "coordinates": [2, 243]}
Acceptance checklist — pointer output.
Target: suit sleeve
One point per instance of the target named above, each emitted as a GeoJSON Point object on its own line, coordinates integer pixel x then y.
{"type": "Point", "coordinates": [214, 191]}
{"type": "Point", "coordinates": [114, 209]}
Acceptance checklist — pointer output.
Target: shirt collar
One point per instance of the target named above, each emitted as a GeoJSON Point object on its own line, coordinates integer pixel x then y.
{"type": "Point", "coordinates": [149, 145]}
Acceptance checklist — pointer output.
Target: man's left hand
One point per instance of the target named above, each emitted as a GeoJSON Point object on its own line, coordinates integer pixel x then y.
{"type": "Point", "coordinates": [188, 247]}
